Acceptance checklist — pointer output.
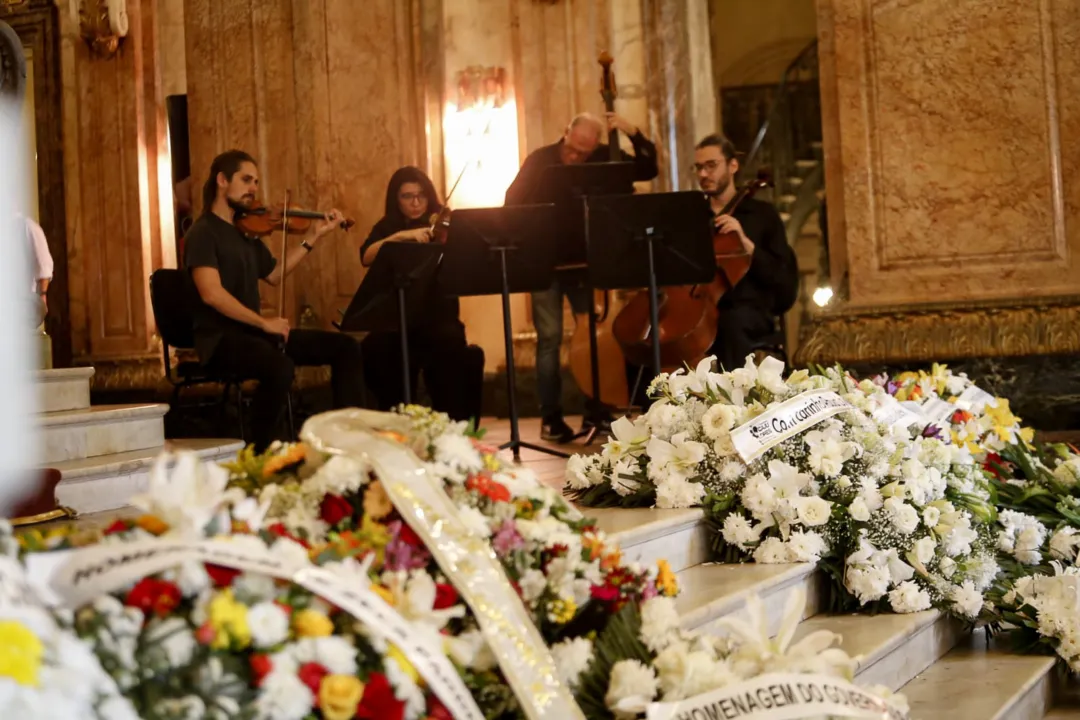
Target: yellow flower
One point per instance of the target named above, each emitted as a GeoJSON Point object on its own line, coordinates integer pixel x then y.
{"type": "Point", "coordinates": [339, 696]}
{"type": "Point", "coordinates": [384, 593]}
{"type": "Point", "coordinates": [377, 503]}
{"type": "Point", "coordinates": [228, 618]}
{"type": "Point", "coordinates": [665, 579]}
{"type": "Point", "coordinates": [312, 623]}
{"type": "Point", "coordinates": [1001, 415]}
{"type": "Point", "coordinates": [20, 653]}
{"type": "Point", "coordinates": [1027, 435]}
{"type": "Point", "coordinates": [491, 463]}
{"type": "Point", "coordinates": [292, 455]}
{"type": "Point", "coordinates": [152, 524]}
{"type": "Point", "coordinates": [395, 654]}
{"type": "Point", "coordinates": [562, 610]}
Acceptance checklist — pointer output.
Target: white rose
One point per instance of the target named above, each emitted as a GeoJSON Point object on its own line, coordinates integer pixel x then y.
{"type": "Point", "coordinates": [924, 549]}
{"type": "Point", "coordinates": [904, 517]}
{"type": "Point", "coordinates": [858, 510]}
{"type": "Point", "coordinates": [814, 511]}
{"type": "Point", "coordinates": [947, 566]}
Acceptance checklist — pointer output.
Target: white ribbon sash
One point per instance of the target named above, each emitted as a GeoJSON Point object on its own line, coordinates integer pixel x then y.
{"type": "Point", "coordinates": [779, 696]}
{"type": "Point", "coordinates": [467, 560]}
{"type": "Point", "coordinates": [894, 415]}
{"type": "Point", "coordinates": [753, 438]}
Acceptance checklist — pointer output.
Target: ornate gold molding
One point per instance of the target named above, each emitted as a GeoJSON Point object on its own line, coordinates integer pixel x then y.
{"type": "Point", "coordinates": [103, 24]}
{"type": "Point", "coordinates": [946, 331]}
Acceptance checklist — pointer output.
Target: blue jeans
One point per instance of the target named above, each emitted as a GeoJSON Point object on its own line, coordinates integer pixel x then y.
{"type": "Point", "coordinates": [547, 312]}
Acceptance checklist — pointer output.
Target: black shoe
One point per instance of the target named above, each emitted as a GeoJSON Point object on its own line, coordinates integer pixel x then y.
{"type": "Point", "coordinates": [601, 423]}
{"type": "Point", "coordinates": [556, 430]}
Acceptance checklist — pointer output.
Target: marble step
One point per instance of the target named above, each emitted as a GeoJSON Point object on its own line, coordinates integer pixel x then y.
{"type": "Point", "coordinates": [100, 430]}
{"type": "Point", "coordinates": [647, 535]}
{"type": "Point", "coordinates": [63, 389]}
{"type": "Point", "coordinates": [1021, 686]}
{"type": "Point", "coordinates": [107, 482]}
{"type": "Point", "coordinates": [712, 591]}
{"type": "Point", "coordinates": [892, 648]}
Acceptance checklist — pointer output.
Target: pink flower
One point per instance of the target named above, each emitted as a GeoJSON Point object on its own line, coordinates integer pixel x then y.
{"type": "Point", "coordinates": [507, 539]}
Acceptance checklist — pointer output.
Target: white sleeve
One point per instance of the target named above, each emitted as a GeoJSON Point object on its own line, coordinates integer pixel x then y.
{"type": "Point", "coordinates": [43, 262]}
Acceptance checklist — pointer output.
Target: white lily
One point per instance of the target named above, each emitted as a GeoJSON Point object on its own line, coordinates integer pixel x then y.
{"type": "Point", "coordinates": [628, 437]}
{"type": "Point", "coordinates": [759, 653]}
{"type": "Point", "coordinates": [679, 454]}
{"type": "Point", "coordinates": [697, 382]}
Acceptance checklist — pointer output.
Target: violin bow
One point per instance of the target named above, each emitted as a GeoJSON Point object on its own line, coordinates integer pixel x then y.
{"type": "Point", "coordinates": [284, 250]}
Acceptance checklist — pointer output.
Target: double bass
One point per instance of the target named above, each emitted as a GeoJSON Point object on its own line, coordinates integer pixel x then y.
{"type": "Point", "coordinates": [687, 313]}
{"type": "Point", "coordinates": [613, 386]}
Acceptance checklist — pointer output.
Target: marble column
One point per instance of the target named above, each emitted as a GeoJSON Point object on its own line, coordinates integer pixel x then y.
{"type": "Point", "coordinates": [115, 152]}
{"type": "Point", "coordinates": [952, 158]}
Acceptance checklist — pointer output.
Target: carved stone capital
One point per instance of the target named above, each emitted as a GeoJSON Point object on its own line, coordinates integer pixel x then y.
{"type": "Point", "coordinates": [946, 331]}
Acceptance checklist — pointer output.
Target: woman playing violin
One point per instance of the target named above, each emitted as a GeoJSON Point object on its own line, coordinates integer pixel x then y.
{"type": "Point", "coordinates": [453, 370]}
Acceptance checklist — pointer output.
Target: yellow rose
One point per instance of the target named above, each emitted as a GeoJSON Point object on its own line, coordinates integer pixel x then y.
{"type": "Point", "coordinates": [377, 503]}
{"type": "Point", "coordinates": [228, 618]}
{"type": "Point", "coordinates": [312, 623]}
{"type": "Point", "coordinates": [339, 696]}
{"type": "Point", "coordinates": [20, 653]}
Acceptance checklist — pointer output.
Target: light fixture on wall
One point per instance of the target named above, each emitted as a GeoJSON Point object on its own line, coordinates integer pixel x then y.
{"type": "Point", "coordinates": [103, 24]}
{"type": "Point", "coordinates": [480, 136]}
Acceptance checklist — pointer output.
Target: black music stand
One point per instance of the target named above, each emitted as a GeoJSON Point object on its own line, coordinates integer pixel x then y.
{"type": "Point", "coordinates": [499, 251]}
{"type": "Point", "coordinates": [396, 288]}
{"type": "Point", "coordinates": [654, 240]}
{"type": "Point", "coordinates": [572, 187]}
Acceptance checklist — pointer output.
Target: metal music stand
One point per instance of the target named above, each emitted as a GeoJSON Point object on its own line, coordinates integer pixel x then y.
{"type": "Point", "coordinates": [573, 187]}
{"type": "Point", "coordinates": [499, 251]}
{"type": "Point", "coordinates": [396, 289]}
{"type": "Point", "coordinates": [655, 240]}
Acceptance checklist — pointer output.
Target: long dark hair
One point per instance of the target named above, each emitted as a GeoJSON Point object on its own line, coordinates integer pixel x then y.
{"type": "Point", "coordinates": [408, 174]}
{"type": "Point", "coordinates": [228, 163]}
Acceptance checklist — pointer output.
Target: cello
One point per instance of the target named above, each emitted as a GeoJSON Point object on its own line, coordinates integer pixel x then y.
{"type": "Point", "coordinates": [687, 313]}
{"type": "Point", "coordinates": [613, 389]}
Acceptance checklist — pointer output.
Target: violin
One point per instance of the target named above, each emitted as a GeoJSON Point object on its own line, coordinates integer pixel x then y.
{"type": "Point", "coordinates": [440, 225]}
{"type": "Point", "coordinates": [688, 314]}
{"type": "Point", "coordinates": [261, 221]}
{"type": "Point", "coordinates": [613, 387]}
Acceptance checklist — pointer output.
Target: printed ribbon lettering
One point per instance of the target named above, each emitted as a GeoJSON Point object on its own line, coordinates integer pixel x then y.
{"type": "Point", "coordinates": [752, 439]}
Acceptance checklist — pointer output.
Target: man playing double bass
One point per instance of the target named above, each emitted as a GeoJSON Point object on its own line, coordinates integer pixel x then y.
{"type": "Point", "coordinates": [748, 312]}
{"type": "Point", "coordinates": [579, 144]}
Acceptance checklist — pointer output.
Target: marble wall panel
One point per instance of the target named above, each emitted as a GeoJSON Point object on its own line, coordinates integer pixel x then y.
{"type": "Point", "coordinates": [953, 170]}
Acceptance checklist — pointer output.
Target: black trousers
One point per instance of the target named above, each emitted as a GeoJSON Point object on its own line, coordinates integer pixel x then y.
{"type": "Point", "coordinates": [453, 370]}
{"type": "Point", "coordinates": [740, 329]}
{"type": "Point", "coordinates": [257, 356]}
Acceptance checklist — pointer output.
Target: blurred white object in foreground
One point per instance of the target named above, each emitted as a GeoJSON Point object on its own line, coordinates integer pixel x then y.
{"type": "Point", "coordinates": [18, 432]}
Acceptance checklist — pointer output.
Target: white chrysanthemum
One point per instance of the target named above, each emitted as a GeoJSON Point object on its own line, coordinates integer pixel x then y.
{"type": "Point", "coordinates": [737, 531]}
{"type": "Point", "coordinates": [676, 492]}
{"type": "Point", "coordinates": [967, 601]}
{"type": "Point", "coordinates": [282, 696]}
{"type": "Point", "coordinates": [908, 597]}
{"type": "Point", "coordinates": [572, 658]}
{"type": "Point", "coordinates": [631, 688]}
{"type": "Point", "coordinates": [718, 421]}
{"type": "Point", "coordinates": [475, 521]}
{"type": "Point", "coordinates": [772, 551]}
{"type": "Point", "coordinates": [659, 622]}
{"type": "Point", "coordinates": [806, 547]}
{"type": "Point", "coordinates": [1063, 544]}
{"type": "Point", "coordinates": [268, 623]}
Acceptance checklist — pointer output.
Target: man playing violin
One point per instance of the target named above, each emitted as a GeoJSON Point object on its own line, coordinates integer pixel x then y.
{"type": "Point", "coordinates": [232, 337]}
{"type": "Point", "coordinates": [453, 370]}
{"type": "Point", "coordinates": [579, 144]}
{"type": "Point", "coordinates": [748, 312]}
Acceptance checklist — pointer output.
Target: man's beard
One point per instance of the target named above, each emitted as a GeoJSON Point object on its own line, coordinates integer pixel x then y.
{"type": "Point", "coordinates": [243, 204]}
{"type": "Point", "coordinates": [723, 184]}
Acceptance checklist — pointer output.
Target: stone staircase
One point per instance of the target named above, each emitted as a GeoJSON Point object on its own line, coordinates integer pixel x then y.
{"type": "Point", "coordinates": [104, 452]}
{"type": "Point", "coordinates": [946, 673]}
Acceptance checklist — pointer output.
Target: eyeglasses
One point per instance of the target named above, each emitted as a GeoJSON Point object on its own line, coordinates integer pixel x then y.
{"type": "Point", "coordinates": [706, 166]}
{"type": "Point", "coordinates": [411, 197]}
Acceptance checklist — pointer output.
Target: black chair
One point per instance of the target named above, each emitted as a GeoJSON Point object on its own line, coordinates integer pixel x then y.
{"type": "Point", "coordinates": [172, 297]}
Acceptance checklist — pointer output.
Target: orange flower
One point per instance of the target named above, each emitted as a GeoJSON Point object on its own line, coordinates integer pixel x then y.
{"type": "Point", "coordinates": [377, 503]}
{"type": "Point", "coordinates": [152, 524]}
{"type": "Point", "coordinates": [295, 454]}
{"type": "Point", "coordinates": [612, 560]}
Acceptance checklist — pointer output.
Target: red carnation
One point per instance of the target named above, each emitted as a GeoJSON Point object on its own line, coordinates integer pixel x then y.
{"type": "Point", "coordinates": [222, 576]}
{"type": "Point", "coordinates": [408, 536]}
{"type": "Point", "coordinates": [312, 674]}
{"type": "Point", "coordinates": [261, 665]}
{"type": "Point", "coordinates": [379, 702]}
{"type": "Point", "coordinates": [604, 593]}
{"type": "Point", "coordinates": [334, 509]}
{"type": "Point", "coordinates": [279, 530]}
{"type": "Point", "coordinates": [118, 526]}
{"type": "Point", "coordinates": [445, 596]}
{"type": "Point", "coordinates": [152, 595]}
{"type": "Point", "coordinates": [436, 710]}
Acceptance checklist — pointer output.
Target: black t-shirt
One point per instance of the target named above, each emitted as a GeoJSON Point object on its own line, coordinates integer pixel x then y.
{"type": "Point", "coordinates": [241, 261]}
{"type": "Point", "coordinates": [445, 309]}
{"type": "Point", "coordinates": [772, 282]}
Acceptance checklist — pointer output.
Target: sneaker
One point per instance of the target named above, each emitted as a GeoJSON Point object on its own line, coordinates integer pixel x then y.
{"type": "Point", "coordinates": [556, 430]}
